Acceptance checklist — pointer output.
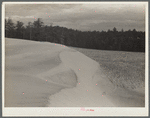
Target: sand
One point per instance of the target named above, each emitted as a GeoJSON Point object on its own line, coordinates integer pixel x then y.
{"type": "Point", "coordinates": [25, 61]}
{"type": "Point", "coordinates": [24, 91]}
{"type": "Point", "coordinates": [94, 89]}
{"type": "Point", "coordinates": [39, 74]}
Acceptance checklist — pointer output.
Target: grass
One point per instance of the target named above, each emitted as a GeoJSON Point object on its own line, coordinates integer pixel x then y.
{"type": "Point", "coordinates": [124, 69]}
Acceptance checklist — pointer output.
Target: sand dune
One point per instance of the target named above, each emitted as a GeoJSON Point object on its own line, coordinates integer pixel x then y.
{"type": "Point", "coordinates": [93, 89]}
{"type": "Point", "coordinates": [25, 63]}
{"type": "Point", "coordinates": [44, 74]}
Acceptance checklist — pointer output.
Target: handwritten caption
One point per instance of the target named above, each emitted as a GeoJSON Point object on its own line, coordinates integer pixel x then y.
{"type": "Point", "coordinates": [83, 109]}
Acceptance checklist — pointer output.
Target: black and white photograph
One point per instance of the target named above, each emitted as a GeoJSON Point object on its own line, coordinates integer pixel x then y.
{"type": "Point", "coordinates": [85, 55]}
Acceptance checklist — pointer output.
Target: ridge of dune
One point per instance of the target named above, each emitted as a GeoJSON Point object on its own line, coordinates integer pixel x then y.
{"type": "Point", "coordinates": [86, 93]}
{"type": "Point", "coordinates": [59, 75]}
{"type": "Point", "coordinates": [93, 88]}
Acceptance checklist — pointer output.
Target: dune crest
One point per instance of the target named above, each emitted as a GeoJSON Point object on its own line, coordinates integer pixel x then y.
{"type": "Point", "coordinates": [86, 93]}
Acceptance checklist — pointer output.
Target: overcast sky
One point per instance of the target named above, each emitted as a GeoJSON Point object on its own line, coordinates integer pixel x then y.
{"type": "Point", "coordinates": [85, 16]}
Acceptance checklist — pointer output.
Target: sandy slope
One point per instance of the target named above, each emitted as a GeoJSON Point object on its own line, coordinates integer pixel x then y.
{"type": "Point", "coordinates": [25, 61]}
{"type": "Point", "coordinates": [94, 90]}
{"type": "Point", "coordinates": [85, 94]}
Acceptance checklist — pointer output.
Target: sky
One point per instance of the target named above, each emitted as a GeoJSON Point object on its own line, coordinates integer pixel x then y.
{"type": "Point", "coordinates": [81, 16]}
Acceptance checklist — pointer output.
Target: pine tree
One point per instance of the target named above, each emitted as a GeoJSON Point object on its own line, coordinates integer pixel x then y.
{"type": "Point", "coordinates": [115, 29]}
{"type": "Point", "coordinates": [9, 28]}
{"type": "Point", "coordinates": [38, 23]}
{"type": "Point", "coordinates": [19, 29]}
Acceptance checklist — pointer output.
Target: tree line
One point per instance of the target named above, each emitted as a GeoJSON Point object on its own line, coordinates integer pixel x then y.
{"type": "Point", "coordinates": [130, 40]}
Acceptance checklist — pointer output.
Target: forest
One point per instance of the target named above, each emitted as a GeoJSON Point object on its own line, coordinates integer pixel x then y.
{"type": "Point", "coordinates": [112, 39]}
